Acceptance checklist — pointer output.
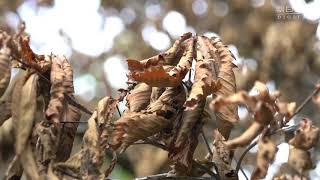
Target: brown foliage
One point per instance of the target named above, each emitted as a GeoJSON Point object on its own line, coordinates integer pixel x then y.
{"type": "Point", "coordinates": [162, 110]}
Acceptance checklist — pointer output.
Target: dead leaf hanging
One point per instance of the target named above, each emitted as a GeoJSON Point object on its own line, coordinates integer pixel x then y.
{"type": "Point", "coordinates": [24, 106]}
{"type": "Point", "coordinates": [139, 98]}
{"type": "Point", "coordinates": [164, 76]}
{"type": "Point", "coordinates": [5, 69]}
{"type": "Point", "coordinates": [266, 154]}
{"type": "Point", "coordinates": [215, 51]}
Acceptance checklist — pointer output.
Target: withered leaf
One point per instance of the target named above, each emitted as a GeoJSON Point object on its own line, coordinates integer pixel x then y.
{"type": "Point", "coordinates": [92, 155]}
{"type": "Point", "coordinates": [307, 135]}
{"type": "Point", "coordinates": [29, 164]}
{"type": "Point", "coordinates": [24, 106]}
{"type": "Point", "coordinates": [105, 110]}
{"type": "Point", "coordinates": [164, 76]}
{"type": "Point", "coordinates": [56, 107]}
{"type": "Point", "coordinates": [14, 169]}
{"type": "Point", "coordinates": [204, 82]}
{"type": "Point", "coordinates": [186, 140]}
{"type": "Point", "coordinates": [267, 150]}
{"type": "Point", "coordinates": [156, 93]}
{"type": "Point", "coordinates": [68, 82]}
{"type": "Point", "coordinates": [157, 76]}
{"type": "Point", "coordinates": [47, 140]}
{"type": "Point", "coordinates": [6, 133]}
{"type": "Point", "coordinates": [169, 104]}
{"type": "Point", "coordinates": [300, 160]}
{"type": "Point", "coordinates": [221, 155]}
{"type": "Point", "coordinates": [26, 51]}
{"type": "Point", "coordinates": [167, 58]}
{"type": "Point", "coordinates": [135, 126]}
{"type": "Point", "coordinates": [68, 133]}
{"type": "Point", "coordinates": [5, 109]}
{"type": "Point", "coordinates": [216, 51]}
{"type": "Point", "coordinates": [139, 98]}
{"type": "Point", "coordinates": [5, 69]}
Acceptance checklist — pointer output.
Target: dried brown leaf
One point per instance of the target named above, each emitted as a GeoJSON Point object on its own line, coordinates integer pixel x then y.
{"type": "Point", "coordinates": [168, 58]}
{"type": "Point", "coordinates": [164, 76]}
{"type": "Point", "coordinates": [29, 164]}
{"type": "Point", "coordinates": [24, 104]}
{"type": "Point", "coordinates": [222, 155]}
{"type": "Point", "coordinates": [91, 159]}
{"type": "Point", "coordinates": [300, 160]}
{"type": "Point", "coordinates": [139, 98]}
{"type": "Point", "coordinates": [307, 135]}
{"type": "Point", "coordinates": [5, 109]}
{"type": "Point", "coordinates": [267, 150]}
{"type": "Point", "coordinates": [156, 93]}
{"type": "Point", "coordinates": [135, 126]}
{"type": "Point", "coordinates": [68, 133]}
{"type": "Point", "coordinates": [215, 51]}
{"type": "Point", "coordinates": [105, 110]}
{"type": "Point", "coordinates": [186, 141]}
{"type": "Point", "coordinates": [57, 104]}
{"type": "Point", "coordinates": [169, 104]}
{"type": "Point", "coordinates": [68, 82]}
{"type": "Point", "coordinates": [6, 133]}
{"type": "Point", "coordinates": [157, 76]}
{"type": "Point", "coordinates": [262, 119]}
{"type": "Point", "coordinates": [204, 82]}
{"type": "Point", "coordinates": [14, 170]}
{"type": "Point", "coordinates": [47, 143]}
{"type": "Point", "coordinates": [5, 69]}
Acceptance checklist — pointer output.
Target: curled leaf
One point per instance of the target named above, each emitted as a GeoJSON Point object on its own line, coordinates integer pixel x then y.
{"type": "Point", "coordinates": [168, 58]}
{"type": "Point", "coordinates": [92, 155]}
{"type": "Point", "coordinates": [204, 82]}
{"type": "Point", "coordinates": [262, 118]}
{"type": "Point", "coordinates": [68, 133]}
{"type": "Point", "coordinates": [169, 104]}
{"type": "Point", "coordinates": [300, 160]}
{"type": "Point", "coordinates": [267, 150]}
{"type": "Point", "coordinates": [139, 98]}
{"type": "Point", "coordinates": [56, 107]}
{"type": "Point", "coordinates": [5, 69]}
{"type": "Point", "coordinates": [215, 51]}
{"type": "Point", "coordinates": [135, 126]}
{"type": "Point", "coordinates": [307, 135]}
{"type": "Point", "coordinates": [163, 76]}
{"type": "Point", "coordinates": [24, 104]}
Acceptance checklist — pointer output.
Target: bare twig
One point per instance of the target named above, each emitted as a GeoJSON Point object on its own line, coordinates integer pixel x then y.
{"type": "Point", "coordinates": [118, 110]}
{"type": "Point", "coordinates": [166, 177]}
{"type": "Point", "coordinates": [242, 171]}
{"type": "Point", "coordinates": [206, 142]}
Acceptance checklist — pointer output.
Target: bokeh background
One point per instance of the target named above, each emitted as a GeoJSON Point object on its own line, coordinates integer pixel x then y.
{"type": "Point", "coordinates": [270, 43]}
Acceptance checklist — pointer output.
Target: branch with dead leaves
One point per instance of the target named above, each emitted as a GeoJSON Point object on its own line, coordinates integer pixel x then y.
{"type": "Point", "coordinates": [44, 114]}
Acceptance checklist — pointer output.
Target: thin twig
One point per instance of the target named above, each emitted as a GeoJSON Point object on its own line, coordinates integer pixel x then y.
{"type": "Point", "coordinates": [207, 170]}
{"type": "Point", "coordinates": [302, 105]}
{"type": "Point", "coordinates": [153, 143]}
{"type": "Point", "coordinates": [118, 110]}
{"type": "Point", "coordinates": [242, 171]}
{"type": "Point", "coordinates": [206, 142]}
{"type": "Point", "coordinates": [66, 122]}
{"type": "Point", "coordinates": [166, 176]}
